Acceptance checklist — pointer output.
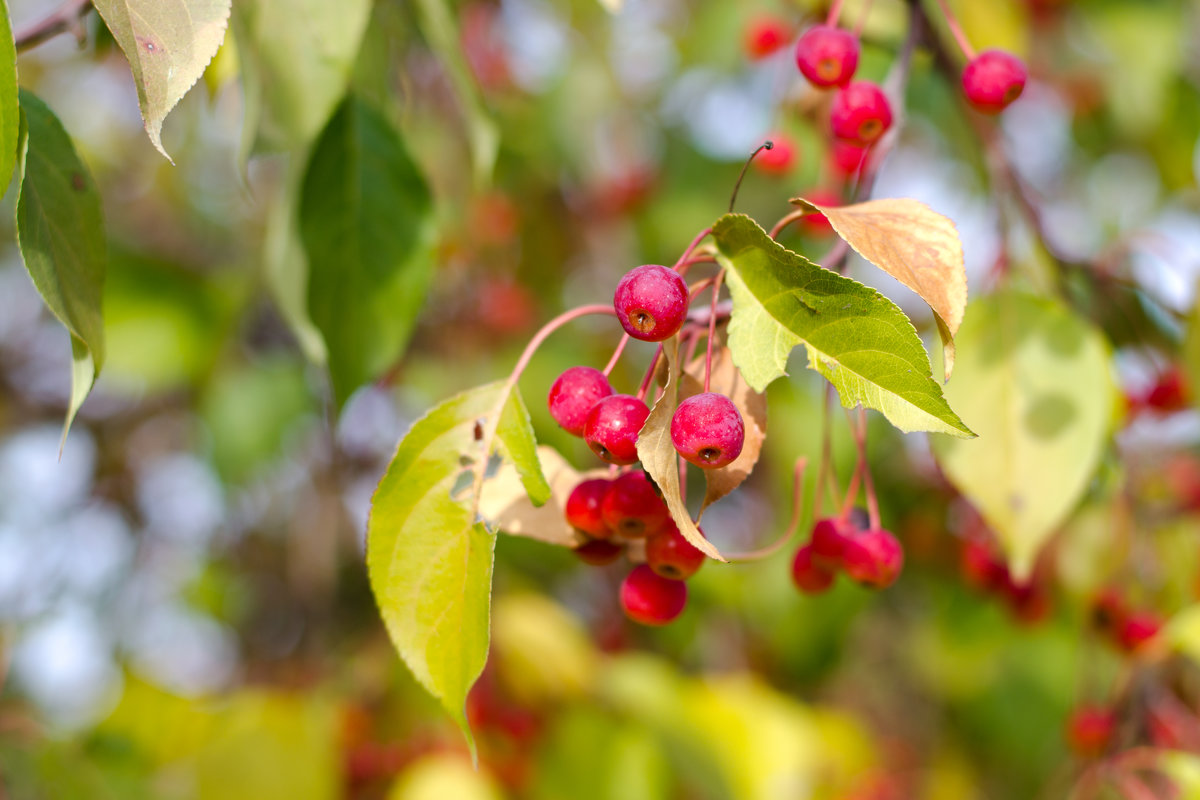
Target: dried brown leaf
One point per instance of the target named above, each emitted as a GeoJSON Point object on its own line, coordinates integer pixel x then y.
{"type": "Point", "coordinates": [660, 460]}
{"type": "Point", "coordinates": [915, 245]}
{"type": "Point", "coordinates": [505, 504]}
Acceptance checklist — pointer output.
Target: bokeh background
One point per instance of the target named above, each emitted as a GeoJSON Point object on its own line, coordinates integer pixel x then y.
{"type": "Point", "coordinates": [184, 609]}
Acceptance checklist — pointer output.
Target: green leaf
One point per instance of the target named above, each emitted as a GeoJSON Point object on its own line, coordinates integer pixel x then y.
{"type": "Point", "coordinates": [659, 458]}
{"type": "Point", "coordinates": [515, 433]}
{"type": "Point", "coordinates": [296, 58]}
{"type": "Point", "coordinates": [857, 338]}
{"type": "Point", "coordinates": [437, 23]}
{"type": "Point", "coordinates": [60, 232]}
{"type": "Point", "coordinates": [429, 560]}
{"type": "Point", "coordinates": [366, 220]}
{"type": "Point", "coordinates": [1034, 380]}
{"type": "Point", "coordinates": [10, 111]}
{"type": "Point", "coordinates": [168, 43]}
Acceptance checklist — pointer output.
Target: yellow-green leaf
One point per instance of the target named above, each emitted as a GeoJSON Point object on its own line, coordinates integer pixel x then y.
{"type": "Point", "coordinates": [60, 232]}
{"type": "Point", "coordinates": [168, 43]}
{"type": "Point", "coordinates": [659, 458]}
{"type": "Point", "coordinates": [10, 110]}
{"type": "Point", "coordinates": [857, 338]}
{"type": "Point", "coordinates": [1034, 381]}
{"type": "Point", "coordinates": [915, 245]}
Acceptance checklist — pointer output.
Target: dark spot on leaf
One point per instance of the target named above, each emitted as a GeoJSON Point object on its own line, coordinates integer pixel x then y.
{"type": "Point", "coordinates": [77, 182]}
{"type": "Point", "coordinates": [1049, 414]}
{"type": "Point", "coordinates": [149, 45]}
{"type": "Point", "coordinates": [478, 431]}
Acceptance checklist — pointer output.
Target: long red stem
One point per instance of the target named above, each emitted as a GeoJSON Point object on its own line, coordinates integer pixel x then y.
{"type": "Point", "coordinates": [688, 252]}
{"type": "Point", "coordinates": [835, 11]}
{"type": "Point", "coordinates": [712, 329]}
{"type": "Point", "coordinates": [612, 362]}
{"type": "Point", "coordinates": [964, 44]}
{"type": "Point", "coordinates": [793, 523]}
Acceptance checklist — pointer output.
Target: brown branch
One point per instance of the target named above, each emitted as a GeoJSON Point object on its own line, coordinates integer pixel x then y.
{"type": "Point", "coordinates": [67, 19]}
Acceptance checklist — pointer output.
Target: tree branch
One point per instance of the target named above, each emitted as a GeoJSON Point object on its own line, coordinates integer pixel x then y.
{"type": "Point", "coordinates": [68, 18]}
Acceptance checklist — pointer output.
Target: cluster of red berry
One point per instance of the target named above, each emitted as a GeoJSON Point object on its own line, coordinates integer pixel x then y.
{"type": "Point", "coordinates": [872, 557]}
{"type": "Point", "coordinates": [1125, 627]}
{"type": "Point", "coordinates": [984, 568]}
{"type": "Point", "coordinates": [651, 303]}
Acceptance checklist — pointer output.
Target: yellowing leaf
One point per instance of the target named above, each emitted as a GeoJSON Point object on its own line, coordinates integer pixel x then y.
{"type": "Point", "coordinates": [10, 110]}
{"type": "Point", "coordinates": [429, 560]}
{"type": "Point", "coordinates": [442, 776]}
{"type": "Point", "coordinates": [168, 44]}
{"type": "Point", "coordinates": [1034, 380]}
{"type": "Point", "coordinates": [659, 458]}
{"type": "Point", "coordinates": [727, 380]}
{"type": "Point", "coordinates": [542, 653]}
{"type": "Point", "coordinates": [915, 245]}
{"type": "Point", "coordinates": [505, 503]}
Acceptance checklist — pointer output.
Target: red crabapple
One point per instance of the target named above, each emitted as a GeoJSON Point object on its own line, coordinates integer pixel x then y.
{"type": "Point", "coordinates": [707, 430]}
{"type": "Point", "coordinates": [860, 113]}
{"type": "Point", "coordinates": [810, 576]}
{"type": "Point", "coordinates": [612, 428]}
{"type": "Point", "coordinates": [583, 508]}
{"type": "Point", "coordinates": [779, 159]}
{"type": "Point", "coordinates": [874, 558]}
{"type": "Point", "coordinates": [651, 302]}
{"type": "Point", "coordinates": [632, 508]}
{"type": "Point", "coordinates": [574, 393]}
{"type": "Point", "coordinates": [847, 157]}
{"type": "Point", "coordinates": [992, 80]}
{"type": "Point", "coordinates": [651, 599]}
{"type": "Point", "coordinates": [765, 35]}
{"type": "Point", "coordinates": [1137, 629]}
{"type": "Point", "coordinates": [1089, 730]}
{"type": "Point", "coordinates": [828, 540]}
{"type": "Point", "coordinates": [827, 56]}
{"type": "Point", "coordinates": [671, 555]}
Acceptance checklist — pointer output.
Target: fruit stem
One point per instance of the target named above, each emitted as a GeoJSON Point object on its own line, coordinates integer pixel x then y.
{"type": "Point", "coordinates": [961, 38]}
{"type": "Point", "coordinates": [835, 11]}
{"type": "Point", "coordinates": [767, 145]}
{"type": "Point", "coordinates": [793, 524]}
{"type": "Point", "coordinates": [699, 287]}
{"type": "Point", "coordinates": [787, 220]}
{"type": "Point", "coordinates": [712, 329]}
{"type": "Point", "coordinates": [826, 470]}
{"type": "Point", "coordinates": [612, 362]}
{"type": "Point", "coordinates": [645, 386]}
{"type": "Point", "coordinates": [682, 263]}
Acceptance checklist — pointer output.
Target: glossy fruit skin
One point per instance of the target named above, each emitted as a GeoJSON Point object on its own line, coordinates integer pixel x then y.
{"type": "Point", "coordinates": [873, 558]}
{"type": "Point", "coordinates": [599, 552]}
{"type": "Point", "coordinates": [1089, 730]}
{"type": "Point", "coordinates": [573, 394]}
{"type": "Point", "coordinates": [583, 508]}
{"type": "Point", "coordinates": [672, 556]}
{"type": "Point", "coordinates": [632, 508]}
{"type": "Point", "coordinates": [810, 576]}
{"type": "Point", "coordinates": [651, 599]}
{"type": "Point", "coordinates": [612, 428]}
{"type": "Point", "coordinates": [992, 80]}
{"type": "Point", "coordinates": [707, 430]}
{"type": "Point", "coordinates": [651, 302]}
{"type": "Point", "coordinates": [779, 159]}
{"type": "Point", "coordinates": [827, 56]}
{"type": "Point", "coordinates": [860, 113]}
{"type": "Point", "coordinates": [764, 36]}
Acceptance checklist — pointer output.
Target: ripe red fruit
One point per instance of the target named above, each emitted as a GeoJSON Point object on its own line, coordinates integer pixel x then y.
{"type": "Point", "coordinates": [651, 599]}
{"type": "Point", "coordinates": [874, 558]}
{"type": "Point", "coordinates": [612, 428]}
{"type": "Point", "coordinates": [573, 394]}
{"type": "Point", "coordinates": [583, 508]}
{"type": "Point", "coordinates": [992, 80]}
{"type": "Point", "coordinates": [1109, 611]}
{"type": "Point", "coordinates": [1168, 394]}
{"type": "Point", "coordinates": [1137, 629]}
{"type": "Point", "coordinates": [651, 302]}
{"type": "Point", "coordinates": [828, 539]}
{"type": "Point", "coordinates": [599, 552]}
{"type": "Point", "coordinates": [707, 430]}
{"type": "Point", "coordinates": [765, 35]}
{"type": "Point", "coordinates": [980, 567]}
{"type": "Point", "coordinates": [778, 160]}
{"type": "Point", "coordinates": [810, 576]}
{"type": "Point", "coordinates": [827, 56]}
{"type": "Point", "coordinates": [671, 555]}
{"type": "Point", "coordinates": [860, 113]}
{"type": "Point", "coordinates": [815, 223]}
{"type": "Point", "coordinates": [632, 508]}
{"type": "Point", "coordinates": [1089, 730]}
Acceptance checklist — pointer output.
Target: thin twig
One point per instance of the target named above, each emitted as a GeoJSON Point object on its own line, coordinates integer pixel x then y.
{"type": "Point", "coordinates": [66, 19]}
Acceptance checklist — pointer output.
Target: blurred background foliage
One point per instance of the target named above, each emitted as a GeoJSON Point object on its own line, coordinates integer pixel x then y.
{"type": "Point", "coordinates": [184, 611]}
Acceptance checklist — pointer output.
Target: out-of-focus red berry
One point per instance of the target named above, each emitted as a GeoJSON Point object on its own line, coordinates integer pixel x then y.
{"type": "Point", "coordinates": [765, 35]}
